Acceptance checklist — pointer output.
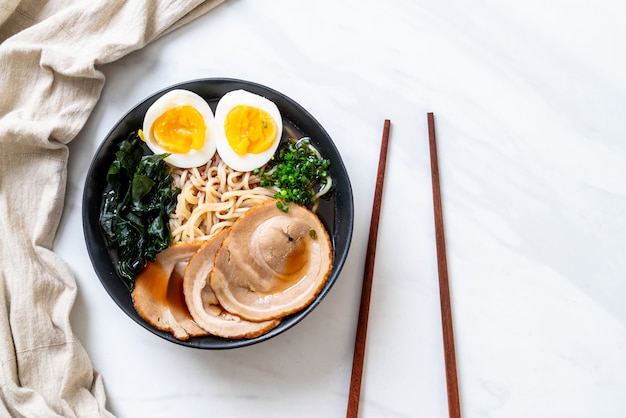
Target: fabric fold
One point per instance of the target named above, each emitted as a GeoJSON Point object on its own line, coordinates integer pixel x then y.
{"type": "Point", "coordinates": [49, 58]}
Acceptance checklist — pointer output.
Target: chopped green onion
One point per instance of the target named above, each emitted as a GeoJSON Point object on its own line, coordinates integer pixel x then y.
{"type": "Point", "coordinates": [295, 170]}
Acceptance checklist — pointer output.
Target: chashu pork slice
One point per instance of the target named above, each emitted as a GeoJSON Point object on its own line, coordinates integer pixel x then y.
{"type": "Point", "coordinates": [204, 306]}
{"type": "Point", "coordinates": [158, 292]}
{"type": "Point", "coordinates": [272, 263]}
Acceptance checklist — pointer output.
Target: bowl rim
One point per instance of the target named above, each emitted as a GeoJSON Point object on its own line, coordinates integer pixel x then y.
{"type": "Point", "coordinates": [342, 227]}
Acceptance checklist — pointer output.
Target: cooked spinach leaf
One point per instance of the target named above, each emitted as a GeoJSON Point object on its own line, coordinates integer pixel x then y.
{"type": "Point", "coordinates": [135, 210]}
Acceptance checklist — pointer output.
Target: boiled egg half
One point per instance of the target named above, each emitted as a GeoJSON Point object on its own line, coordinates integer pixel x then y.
{"type": "Point", "coordinates": [248, 129]}
{"type": "Point", "coordinates": [180, 123]}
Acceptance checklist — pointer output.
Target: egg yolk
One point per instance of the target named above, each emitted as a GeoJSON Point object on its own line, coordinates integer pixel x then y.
{"type": "Point", "coordinates": [250, 130]}
{"type": "Point", "coordinates": [179, 130]}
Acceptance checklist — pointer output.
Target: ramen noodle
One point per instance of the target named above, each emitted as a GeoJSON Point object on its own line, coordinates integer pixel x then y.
{"type": "Point", "coordinates": [212, 197]}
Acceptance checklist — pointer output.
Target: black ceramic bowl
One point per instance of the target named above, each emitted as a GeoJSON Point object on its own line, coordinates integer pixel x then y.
{"type": "Point", "coordinates": [337, 213]}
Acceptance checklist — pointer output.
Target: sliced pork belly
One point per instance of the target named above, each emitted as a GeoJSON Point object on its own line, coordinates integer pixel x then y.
{"type": "Point", "coordinates": [204, 306]}
{"type": "Point", "coordinates": [272, 263]}
{"type": "Point", "coordinates": [158, 293]}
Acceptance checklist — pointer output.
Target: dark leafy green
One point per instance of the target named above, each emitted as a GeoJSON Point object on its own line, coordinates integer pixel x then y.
{"type": "Point", "coordinates": [135, 210]}
{"type": "Point", "coordinates": [296, 170]}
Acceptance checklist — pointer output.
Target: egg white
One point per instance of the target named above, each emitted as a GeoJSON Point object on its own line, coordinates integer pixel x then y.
{"type": "Point", "coordinates": [249, 161]}
{"type": "Point", "coordinates": [172, 99]}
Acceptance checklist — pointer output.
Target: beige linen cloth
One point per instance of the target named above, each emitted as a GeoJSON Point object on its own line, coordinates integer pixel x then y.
{"type": "Point", "coordinates": [50, 51]}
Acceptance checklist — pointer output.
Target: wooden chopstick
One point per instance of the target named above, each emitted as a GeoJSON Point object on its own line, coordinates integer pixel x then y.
{"type": "Point", "coordinates": [454, 408]}
{"type": "Point", "coordinates": [361, 330]}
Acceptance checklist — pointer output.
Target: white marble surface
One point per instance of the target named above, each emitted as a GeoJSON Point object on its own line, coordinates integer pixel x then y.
{"type": "Point", "coordinates": [529, 99]}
